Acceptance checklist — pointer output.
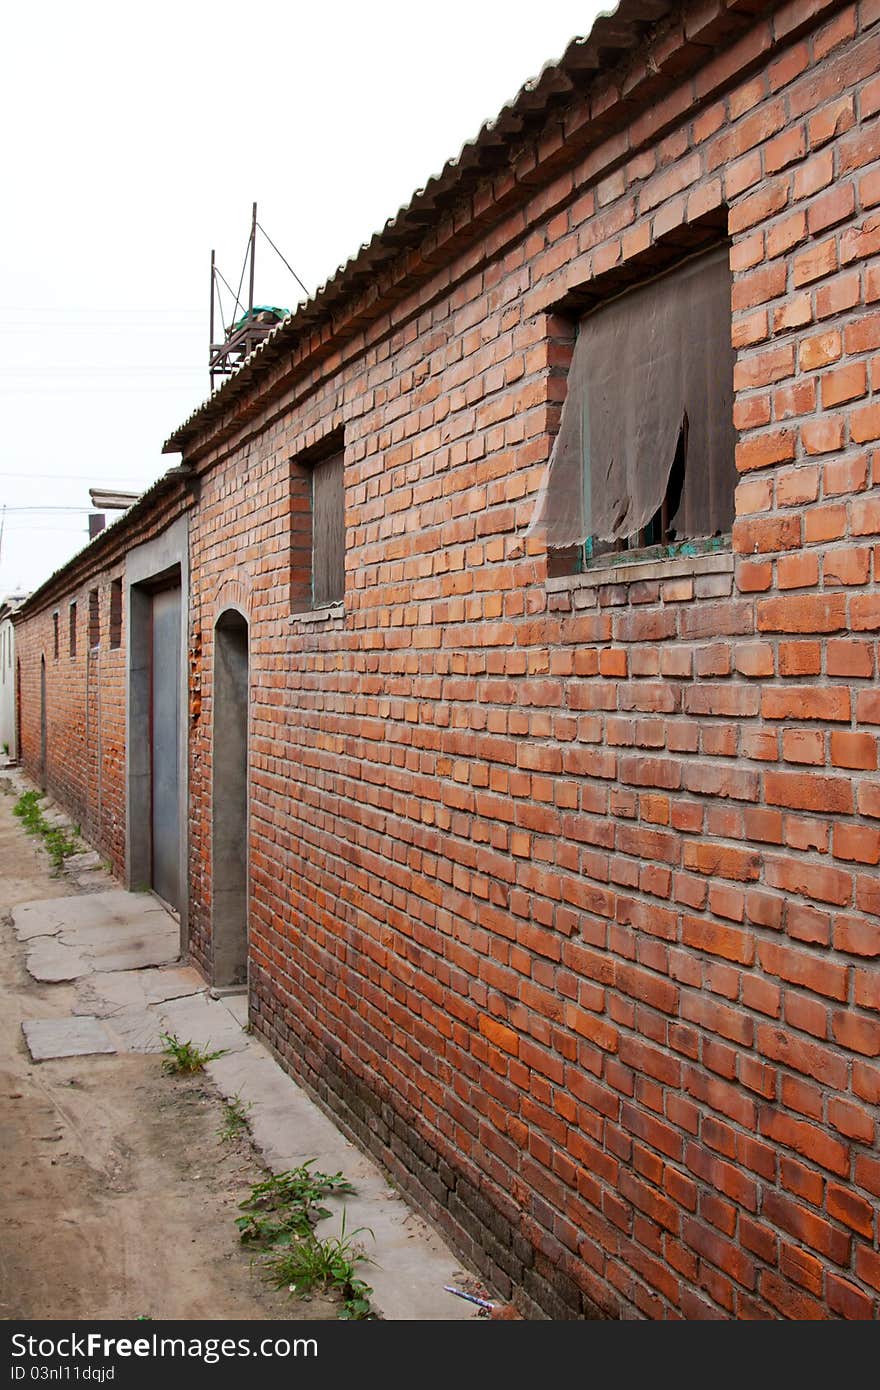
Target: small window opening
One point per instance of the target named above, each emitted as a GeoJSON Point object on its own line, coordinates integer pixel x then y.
{"type": "Point", "coordinates": [328, 531]}
{"type": "Point", "coordinates": [94, 618]}
{"type": "Point", "coordinates": [317, 525]}
{"type": "Point", "coordinates": [116, 613]}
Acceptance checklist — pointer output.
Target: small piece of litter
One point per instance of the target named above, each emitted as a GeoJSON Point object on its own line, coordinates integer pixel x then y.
{"type": "Point", "coordinates": [471, 1297]}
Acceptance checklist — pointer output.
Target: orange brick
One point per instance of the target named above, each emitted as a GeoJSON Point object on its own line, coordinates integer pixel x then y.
{"type": "Point", "coordinates": [865, 423]}
{"type": "Point", "coordinates": [795, 486]}
{"type": "Point", "coordinates": [849, 658]}
{"type": "Point", "coordinates": [818, 351]}
{"type": "Point", "coordinates": [849, 566]}
{"type": "Point", "coordinates": [845, 384]}
{"type": "Point", "coordinates": [823, 436]}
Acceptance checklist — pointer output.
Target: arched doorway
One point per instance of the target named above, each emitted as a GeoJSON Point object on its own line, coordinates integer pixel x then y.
{"type": "Point", "coordinates": [230, 801]}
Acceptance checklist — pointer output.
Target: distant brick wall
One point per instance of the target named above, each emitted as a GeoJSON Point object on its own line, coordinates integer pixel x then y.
{"type": "Point", "coordinates": [85, 713]}
{"type": "Point", "coordinates": [86, 693]}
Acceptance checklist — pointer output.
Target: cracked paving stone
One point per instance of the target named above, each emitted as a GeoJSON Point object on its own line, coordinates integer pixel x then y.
{"type": "Point", "coordinates": [66, 1037]}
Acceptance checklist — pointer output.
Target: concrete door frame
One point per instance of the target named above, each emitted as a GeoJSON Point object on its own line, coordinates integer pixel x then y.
{"type": "Point", "coordinates": [147, 567]}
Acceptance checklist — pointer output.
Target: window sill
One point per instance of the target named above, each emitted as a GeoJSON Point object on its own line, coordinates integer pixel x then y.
{"type": "Point", "coordinates": [319, 615]}
{"type": "Point", "coordinates": [630, 571]}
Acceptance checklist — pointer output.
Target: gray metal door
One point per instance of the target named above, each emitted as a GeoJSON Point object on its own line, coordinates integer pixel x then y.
{"type": "Point", "coordinates": [165, 744]}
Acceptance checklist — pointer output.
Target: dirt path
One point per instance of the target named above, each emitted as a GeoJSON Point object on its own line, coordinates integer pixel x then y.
{"type": "Point", "coordinates": [118, 1197]}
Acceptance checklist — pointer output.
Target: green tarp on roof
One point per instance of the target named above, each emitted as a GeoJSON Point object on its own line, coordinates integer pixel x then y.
{"type": "Point", "coordinates": [260, 309]}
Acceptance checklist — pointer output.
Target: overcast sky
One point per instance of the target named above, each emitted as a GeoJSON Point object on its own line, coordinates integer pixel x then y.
{"type": "Point", "coordinates": [136, 138]}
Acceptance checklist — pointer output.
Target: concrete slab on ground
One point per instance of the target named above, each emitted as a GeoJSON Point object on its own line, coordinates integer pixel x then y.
{"type": "Point", "coordinates": [49, 961]}
{"type": "Point", "coordinates": [113, 909]}
{"type": "Point", "coordinates": [87, 859]}
{"type": "Point", "coordinates": [204, 1022]}
{"type": "Point", "coordinates": [237, 1005]}
{"type": "Point", "coordinates": [115, 930]}
{"type": "Point", "coordinates": [80, 1036]}
{"type": "Point", "coordinates": [136, 1030]}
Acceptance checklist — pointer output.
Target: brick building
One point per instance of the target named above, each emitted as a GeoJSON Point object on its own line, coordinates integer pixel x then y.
{"type": "Point", "coordinates": [533, 790]}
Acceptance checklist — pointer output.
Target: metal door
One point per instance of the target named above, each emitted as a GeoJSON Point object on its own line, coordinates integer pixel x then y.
{"type": "Point", "coordinates": [165, 744]}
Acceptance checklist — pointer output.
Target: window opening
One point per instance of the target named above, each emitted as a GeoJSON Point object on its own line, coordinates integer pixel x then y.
{"type": "Point", "coordinates": [645, 455]}
{"type": "Point", "coordinates": [116, 613]}
{"type": "Point", "coordinates": [94, 618]}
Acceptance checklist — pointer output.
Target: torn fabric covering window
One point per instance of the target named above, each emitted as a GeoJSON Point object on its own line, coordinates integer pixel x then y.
{"type": "Point", "coordinates": [650, 368]}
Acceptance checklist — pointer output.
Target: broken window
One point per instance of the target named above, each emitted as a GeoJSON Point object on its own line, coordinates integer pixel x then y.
{"type": "Point", "coordinates": [646, 444]}
{"type": "Point", "coordinates": [73, 629]}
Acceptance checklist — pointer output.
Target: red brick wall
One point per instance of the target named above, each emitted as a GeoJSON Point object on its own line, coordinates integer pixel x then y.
{"type": "Point", "coordinates": [565, 897]}
{"type": "Point", "coordinates": [85, 713]}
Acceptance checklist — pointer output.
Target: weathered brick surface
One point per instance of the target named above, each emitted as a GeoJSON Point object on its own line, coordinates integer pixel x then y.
{"type": "Point", "coordinates": [565, 899]}
{"type": "Point", "coordinates": [85, 715]}
{"type": "Point", "coordinates": [85, 764]}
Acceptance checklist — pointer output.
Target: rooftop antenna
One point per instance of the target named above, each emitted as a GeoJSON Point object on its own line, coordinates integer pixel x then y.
{"type": "Point", "coordinates": [248, 325]}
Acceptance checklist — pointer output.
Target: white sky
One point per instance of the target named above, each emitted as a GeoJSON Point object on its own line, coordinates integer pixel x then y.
{"type": "Point", "coordinates": [136, 139]}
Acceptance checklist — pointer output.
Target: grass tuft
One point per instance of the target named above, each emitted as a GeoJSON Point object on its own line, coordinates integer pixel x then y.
{"type": "Point", "coordinates": [235, 1117]}
{"type": "Point", "coordinates": [57, 841]}
{"type": "Point", "coordinates": [184, 1058]}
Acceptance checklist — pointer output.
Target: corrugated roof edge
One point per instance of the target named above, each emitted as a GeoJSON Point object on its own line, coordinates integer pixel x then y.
{"type": "Point", "coordinates": [36, 600]}
{"type": "Point", "coordinates": [533, 96]}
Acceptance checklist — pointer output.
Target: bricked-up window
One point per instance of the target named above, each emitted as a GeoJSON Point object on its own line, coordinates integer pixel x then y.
{"type": "Point", "coordinates": [73, 629]}
{"type": "Point", "coordinates": [645, 454]}
{"type": "Point", "coordinates": [55, 635]}
{"type": "Point", "coordinates": [328, 531]}
{"type": "Point", "coordinates": [94, 618]}
{"type": "Point", "coordinates": [317, 525]}
{"type": "Point", "coordinates": [116, 613]}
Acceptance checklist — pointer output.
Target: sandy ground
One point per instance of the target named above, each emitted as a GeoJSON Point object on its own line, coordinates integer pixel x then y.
{"type": "Point", "coordinates": [118, 1197]}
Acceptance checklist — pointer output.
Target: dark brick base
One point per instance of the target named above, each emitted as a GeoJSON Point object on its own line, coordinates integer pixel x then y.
{"type": "Point", "coordinates": [486, 1238]}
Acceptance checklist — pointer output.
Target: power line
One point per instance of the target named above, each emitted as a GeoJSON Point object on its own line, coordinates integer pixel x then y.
{"type": "Point", "coordinates": [99, 368]}
{"type": "Point", "coordinates": [286, 262]}
{"type": "Point", "coordinates": [92, 308]}
{"type": "Point", "coordinates": [76, 478]}
{"type": "Point", "coordinates": [79, 388]}
{"type": "Point", "coordinates": [98, 325]}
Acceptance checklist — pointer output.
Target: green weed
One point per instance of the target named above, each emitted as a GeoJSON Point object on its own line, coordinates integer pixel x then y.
{"type": "Point", "coordinates": [185, 1058]}
{"type": "Point", "coordinates": [309, 1264]}
{"type": "Point", "coordinates": [235, 1117]}
{"type": "Point", "coordinates": [281, 1214]}
{"type": "Point", "coordinates": [287, 1205]}
{"type": "Point", "coordinates": [57, 841]}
